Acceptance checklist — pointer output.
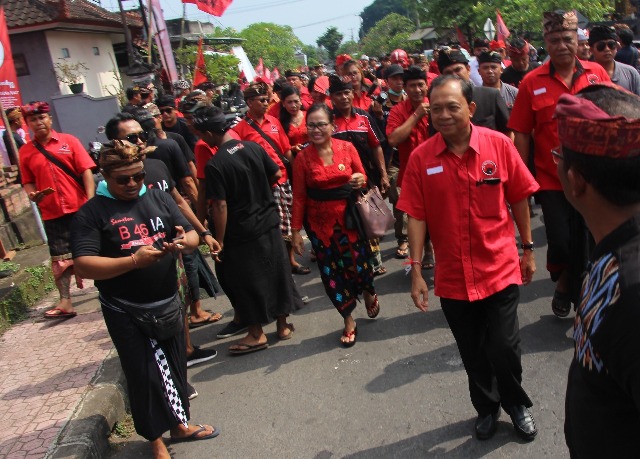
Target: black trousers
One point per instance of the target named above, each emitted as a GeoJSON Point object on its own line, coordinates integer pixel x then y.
{"type": "Point", "coordinates": [488, 338]}
{"type": "Point", "coordinates": [568, 239]}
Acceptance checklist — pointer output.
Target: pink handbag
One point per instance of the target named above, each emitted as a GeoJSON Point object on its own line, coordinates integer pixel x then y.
{"type": "Point", "coordinates": [375, 214]}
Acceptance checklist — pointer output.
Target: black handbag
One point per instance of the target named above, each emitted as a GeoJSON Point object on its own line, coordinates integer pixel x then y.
{"type": "Point", "coordinates": [161, 322]}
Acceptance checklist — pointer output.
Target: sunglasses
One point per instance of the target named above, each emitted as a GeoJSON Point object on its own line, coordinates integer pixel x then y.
{"type": "Point", "coordinates": [611, 44]}
{"type": "Point", "coordinates": [166, 110]}
{"type": "Point", "coordinates": [262, 100]}
{"type": "Point", "coordinates": [125, 179]}
{"type": "Point", "coordinates": [133, 138]}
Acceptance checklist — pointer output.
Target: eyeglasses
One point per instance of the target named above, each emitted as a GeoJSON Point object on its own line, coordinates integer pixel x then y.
{"type": "Point", "coordinates": [611, 44]}
{"type": "Point", "coordinates": [555, 154]}
{"type": "Point", "coordinates": [133, 138]}
{"type": "Point", "coordinates": [167, 110]}
{"type": "Point", "coordinates": [125, 179]}
{"type": "Point", "coordinates": [320, 126]}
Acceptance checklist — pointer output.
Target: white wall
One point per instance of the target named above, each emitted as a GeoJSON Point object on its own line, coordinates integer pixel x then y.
{"type": "Point", "coordinates": [80, 46]}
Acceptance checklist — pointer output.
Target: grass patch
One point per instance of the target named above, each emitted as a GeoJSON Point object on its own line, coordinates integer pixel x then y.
{"type": "Point", "coordinates": [124, 428]}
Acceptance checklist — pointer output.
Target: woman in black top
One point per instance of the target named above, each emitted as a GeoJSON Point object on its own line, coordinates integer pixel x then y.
{"type": "Point", "coordinates": [127, 238]}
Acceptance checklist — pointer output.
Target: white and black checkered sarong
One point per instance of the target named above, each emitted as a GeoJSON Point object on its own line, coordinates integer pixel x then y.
{"type": "Point", "coordinates": [283, 196]}
{"type": "Point", "coordinates": [170, 391]}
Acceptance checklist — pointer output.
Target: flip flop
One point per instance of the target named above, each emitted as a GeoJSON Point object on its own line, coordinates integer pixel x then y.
{"type": "Point", "coordinates": [374, 309]}
{"type": "Point", "coordinates": [290, 335]}
{"type": "Point", "coordinates": [301, 270]}
{"type": "Point", "coordinates": [61, 314]}
{"type": "Point", "coordinates": [202, 323]}
{"type": "Point", "coordinates": [353, 333]}
{"type": "Point", "coordinates": [380, 271]}
{"type": "Point", "coordinates": [428, 262]}
{"type": "Point", "coordinates": [248, 348]}
{"type": "Point", "coordinates": [194, 436]}
{"type": "Point", "coordinates": [401, 253]}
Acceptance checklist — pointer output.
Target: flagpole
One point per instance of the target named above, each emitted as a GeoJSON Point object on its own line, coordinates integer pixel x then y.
{"type": "Point", "coordinates": [184, 13]}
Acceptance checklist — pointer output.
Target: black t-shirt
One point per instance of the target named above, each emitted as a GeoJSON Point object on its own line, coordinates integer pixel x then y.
{"type": "Point", "coordinates": [514, 77]}
{"type": "Point", "coordinates": [181, 128]}
{"type": "Point", "coordinates": [158, 176]}
{"type": "Point", "coordinates": [184, 147]}
{"type": "Point", "coordinates": [113, 228]}
{"type": "Point", "coordinates": [169, 153]}
{"type": "Point", "coordinates": [239, 174]}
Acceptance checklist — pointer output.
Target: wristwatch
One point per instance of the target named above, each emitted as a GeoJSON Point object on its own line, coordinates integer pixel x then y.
{"type": "Point", "coordinates": [205, 233]}
{"type": "Point", "coordinates": [527, 246]}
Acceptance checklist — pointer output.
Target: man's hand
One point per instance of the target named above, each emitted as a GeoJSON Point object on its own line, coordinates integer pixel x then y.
{"type": "Point", "coordinates": [147, 255]}
{"type": "Point", "coordinates": [422, 110]}
{"type": "Point", "coordinates": [384, 183]}
{"type": "Point", "coordinates": [376, 108]}
{"type": "Point", "coordinates": [419, 290]}
{"type": "Point", "coordinates": [214, 246]}
{"type": "Point", "coordinates": [527, 266]}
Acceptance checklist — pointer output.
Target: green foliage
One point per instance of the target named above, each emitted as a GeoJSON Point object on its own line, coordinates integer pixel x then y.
{"type": "Point", "coordinates": [9, 266]}
{"type": "Point", "coordinates": [221, 68]}
{"type": "Point", "coordinates": [390, 33]}
{"type": "Point", "coordinates": [351, 48]}
{"type": "Point", "coordinates": [330, 40]}
{"type": "Point", "coordinates": [124, 428]}
{"type": "Point", "coordinates": [378, 10]}
{"type": "Point", "coordinates": [315, 55]}
{"type": "Point", "coordinates": [275, 44]}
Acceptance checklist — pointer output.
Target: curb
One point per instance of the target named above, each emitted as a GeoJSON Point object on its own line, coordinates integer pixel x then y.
{"type": "Point", "coordinates": [86, 434]}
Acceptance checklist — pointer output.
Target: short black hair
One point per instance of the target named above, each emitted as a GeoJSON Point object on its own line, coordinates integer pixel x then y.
{"type": "Point", "coordinates": [465, 86]}
{"type": "Point", "coordinates": [614, 179]}
{"type": "Point", "coordinates": [131, 92]}
{"type": "Point", "coordinates": [112, 128]}
{"type": "Point", "coordinates": [321, 108]}
{"type": "Point", "coordinates": [625, 35]}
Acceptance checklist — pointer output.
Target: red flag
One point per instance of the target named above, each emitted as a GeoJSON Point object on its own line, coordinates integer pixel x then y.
{"type": "Point", "coordinates": [462, 40]}
{"type": "Point", "coordinates": [502, 31]}
{"type": "Point", "coordinates": [9, 90]}
{"type": "Point", "coordinates": [275, 74]}
{"type": "Point", "coordinates": [267, 74]}
{"type": "Point", "coordinates": [260, 68]}
{"type": "Point", "coordinates": [215, 7]}
{"type": "Point", "coordinates": [200, 71]}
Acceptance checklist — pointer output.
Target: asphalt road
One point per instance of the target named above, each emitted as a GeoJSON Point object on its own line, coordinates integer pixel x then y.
{"type": "Point", "coordinates": [400, 392]}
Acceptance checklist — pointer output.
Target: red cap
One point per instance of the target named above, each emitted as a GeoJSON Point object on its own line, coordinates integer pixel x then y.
{"type": "Point", "coordinates": [342, 58]}
{"type": "Point", "coordinates": [399, 56]}
{"type": "Point", "coordinates": [496, 45]}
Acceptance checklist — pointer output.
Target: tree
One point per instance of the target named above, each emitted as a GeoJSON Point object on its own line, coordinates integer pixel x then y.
{"type": "Point", "coordinates": [390, 33]}
{"type": "Point", "coordinates": [330, 40]}
{"type": "Point", "coordinates": [220, 68]}
{"type": "Point", "coordinates": [378, 10]}
{"type": "Point", "coordinates": [349, 47]}
{"type": "Point", "coordinates": [315, 55]}
{"type": "Point", "coordinates": [275, 44]}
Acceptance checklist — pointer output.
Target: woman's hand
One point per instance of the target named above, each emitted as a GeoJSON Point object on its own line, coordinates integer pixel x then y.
{"type": "Point", "coordinates": [297, 243]}
{"type": "Point", "coordinates": [357, 181]}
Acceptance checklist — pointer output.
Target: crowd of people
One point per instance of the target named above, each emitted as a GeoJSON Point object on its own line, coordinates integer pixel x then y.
{"type": "Point", "coordinates": [459, 145]}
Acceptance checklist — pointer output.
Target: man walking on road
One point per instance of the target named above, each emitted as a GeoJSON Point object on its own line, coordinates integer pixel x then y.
{"type": "Point", "coordinates": [56, 174]}
{"type": "Point", "coordinates": [599, 176]}
{"type": "Point", "coordinates": [457, 186]}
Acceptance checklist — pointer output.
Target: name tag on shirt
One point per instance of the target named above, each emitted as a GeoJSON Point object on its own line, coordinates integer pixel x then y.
{"type": "Point", "coordinates": [435, 170]}
{"type": "Point", "coordinates": [537, 92]}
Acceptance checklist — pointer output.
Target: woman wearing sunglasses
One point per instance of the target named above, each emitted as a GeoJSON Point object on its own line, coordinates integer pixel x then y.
{"type": "Point", "coordinates": [127, 238]}
{"type": "Point", "coordinates": [325, 175]}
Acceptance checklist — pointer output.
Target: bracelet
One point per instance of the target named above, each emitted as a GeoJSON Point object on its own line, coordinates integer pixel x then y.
{"type": "Point", "coordinates": [410, 262]}
{"type": "Point", "coordinates": [133, 257]}
{"type": "Point", "coordinates": [205, 233]}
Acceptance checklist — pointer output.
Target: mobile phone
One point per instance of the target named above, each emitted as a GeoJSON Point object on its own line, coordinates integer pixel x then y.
{"type": "Point", "coordinates": [46, 191]}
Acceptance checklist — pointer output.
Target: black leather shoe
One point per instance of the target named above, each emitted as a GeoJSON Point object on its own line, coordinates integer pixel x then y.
{"type": "Point", "coordinates": [523, 422]}
{"type": "Point", "coordinates": [486, 426]}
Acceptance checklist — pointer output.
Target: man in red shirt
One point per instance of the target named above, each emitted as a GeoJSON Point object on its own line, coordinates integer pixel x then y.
{"type": "Point", "coordinates": [295, 80]}
{"type": "Point", "coordinates": [408, 127]}
{"type": "Point", "coordinates": [59, 187]}
{"type": "Point", "coordinates": [266, 131]}
{"type": "Point", "coordinates": [457, 186]}
{"type": "Point", "coordinates": [532, 115]}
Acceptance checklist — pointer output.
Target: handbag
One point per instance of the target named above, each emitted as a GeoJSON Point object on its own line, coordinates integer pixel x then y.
{"type": "Point", "coordinates": [375, 214]}
{"type": "Point", "coordinates": [161, 322]}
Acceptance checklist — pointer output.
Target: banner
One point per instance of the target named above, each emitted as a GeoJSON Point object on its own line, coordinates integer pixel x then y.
{"type": "Point", "coordinates": [161, 35]}
{"type": "Point", "coordinates": [502, 32]}
{"type": "Point", "coordinates": [215, 7]}
{"type": "Point", "coordinates": [9, 90]}
{"type": "Point", "coordinates": [200, 70]}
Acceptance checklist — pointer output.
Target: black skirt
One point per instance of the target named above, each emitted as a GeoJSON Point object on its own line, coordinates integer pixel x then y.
{"type": "Point", "coordinates": [256, 276]}
{"type": "Point", "coordinates": [151, 412]}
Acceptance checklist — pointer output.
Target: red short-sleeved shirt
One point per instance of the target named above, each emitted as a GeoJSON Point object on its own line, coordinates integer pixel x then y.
{"type": "Point", "coordinates": [271, 127]}
{"type": "Point", "coordinates": [204, 153]}
{"type": "Point", "coordinates": [398, 115]}
{"type": "Point", "coordinates": [535, 105]}
{"type": "Point", "coordinates": [37, 169]}
{"type": "Point", "coordinates": [305, 97]}
{"type": "Point", "coordinates": [362, 100]}
{"type": "Point", "coordinates": [470, 226]}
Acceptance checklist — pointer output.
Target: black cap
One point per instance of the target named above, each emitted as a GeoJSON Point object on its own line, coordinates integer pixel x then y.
{"type": "Point", "coordinates": [337, 84]}
{"type": "Point", "coordinates": [166, 101]}
{"type": "Point", "coordinates": [480, 43]}
{"type": "Point", "coordinates": [414, 73]}
{"type": "Point", "coordinates": [447, 58]}
{"type": "Point", "coordinates": [290, 73]}
{"type": "Point", "coordinates": [392, 70]}
{"type": "Point", "coordinates": [492, 56]}
{"type": "Point", "coordinates": [599, 33]}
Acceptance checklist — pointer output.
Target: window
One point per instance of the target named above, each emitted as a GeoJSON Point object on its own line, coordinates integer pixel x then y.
{"type": "Point", "coordinates": [65, 53]}
{"type": "Point", "coordinates": [20, 63]}
{"type": "Point", "coordinates": [96, 51]}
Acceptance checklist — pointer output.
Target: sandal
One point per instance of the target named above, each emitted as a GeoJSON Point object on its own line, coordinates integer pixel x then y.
{"type": "Point", "coordinates": [380, 271]}
{"type": "Point", "coordinates": [288, 335]}
{"type": "Point", "coordinates": [402, 251]}
{"type": "Point", "coordinates": [346, 334]}
{"type": "Point", "coordinates": [428, 262]}
{"type": "Point", "coordinates": [561, 304]}
{"type": "Point", "coordinates": [374, 309]}
{"type": "Point", "coordinates": [301, 270]}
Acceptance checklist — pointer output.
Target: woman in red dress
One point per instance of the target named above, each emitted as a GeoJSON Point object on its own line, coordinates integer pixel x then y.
{"type": "Point", "coordinates": [292, 118]}
{"type": "Point", "coordinates": [325, 175]}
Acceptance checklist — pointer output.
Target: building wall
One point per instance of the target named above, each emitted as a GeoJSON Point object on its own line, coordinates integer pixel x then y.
{"type": "Point", "coordinates": [100, 80]}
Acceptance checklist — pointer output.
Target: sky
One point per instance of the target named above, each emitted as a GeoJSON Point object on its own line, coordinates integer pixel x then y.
{"type": "Point", "coordinates": [308, 18]}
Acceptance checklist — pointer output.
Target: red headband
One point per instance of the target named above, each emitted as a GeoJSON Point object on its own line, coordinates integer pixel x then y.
{"type": "Point", "coordinates": [35, 108]}
{"type": "Point", "coordinates": [585, 128]}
